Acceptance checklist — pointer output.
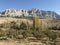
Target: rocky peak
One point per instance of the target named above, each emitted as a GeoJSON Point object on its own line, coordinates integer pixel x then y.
{"type": "Point", "coordinates": [30, 13]}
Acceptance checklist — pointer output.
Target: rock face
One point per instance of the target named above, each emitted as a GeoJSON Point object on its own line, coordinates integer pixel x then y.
{"type": "Point", "coordinates": [30, 13]}
{"type": "Point", "coordinates": [14, 13]}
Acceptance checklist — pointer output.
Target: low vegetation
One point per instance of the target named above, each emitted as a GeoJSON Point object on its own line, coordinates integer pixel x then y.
{"type": "Point", "coordinates": [13, 30]}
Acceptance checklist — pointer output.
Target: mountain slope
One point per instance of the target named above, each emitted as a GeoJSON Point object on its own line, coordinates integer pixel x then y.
{"type": "Point", "coordinates": [30, 13]}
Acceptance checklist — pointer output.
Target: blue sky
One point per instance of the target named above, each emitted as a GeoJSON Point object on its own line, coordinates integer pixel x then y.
{"type": "Point", "coordinates": [53, 5]}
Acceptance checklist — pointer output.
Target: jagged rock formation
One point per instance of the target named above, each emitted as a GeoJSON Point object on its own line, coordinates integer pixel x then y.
{"type": "Point", "coordinates": [30, 13]}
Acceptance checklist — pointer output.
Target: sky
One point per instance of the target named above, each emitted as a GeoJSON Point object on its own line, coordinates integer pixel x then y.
{"type": "Point", "coordinates": [50, 5]}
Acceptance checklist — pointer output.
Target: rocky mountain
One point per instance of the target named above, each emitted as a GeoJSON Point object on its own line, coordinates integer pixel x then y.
{"type": "Point", "coordinates": [30, 13]}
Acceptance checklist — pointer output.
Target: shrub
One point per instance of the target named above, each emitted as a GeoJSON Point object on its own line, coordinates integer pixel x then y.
{"type": "Point", "coordinates": [23, 26]}
{"type": "Point", "coordinates": [50, 34]}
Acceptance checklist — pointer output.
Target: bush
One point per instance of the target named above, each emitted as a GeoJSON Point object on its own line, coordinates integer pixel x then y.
{"type": "Point", "coordinates": [50, 34]}
{"type": "Point", "coordinates": [11, 33]}
{"type": "Point", "coordinates": [38, 34]}
{"type": "Point", "coordinates": [23, 26]}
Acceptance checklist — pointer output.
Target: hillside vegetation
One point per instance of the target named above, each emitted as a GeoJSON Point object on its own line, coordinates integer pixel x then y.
{"type": "Point", "coordinates": [17, 29]}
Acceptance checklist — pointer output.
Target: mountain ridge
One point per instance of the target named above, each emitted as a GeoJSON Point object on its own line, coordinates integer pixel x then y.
{"type": "Point", "coordinates": [30, 13]}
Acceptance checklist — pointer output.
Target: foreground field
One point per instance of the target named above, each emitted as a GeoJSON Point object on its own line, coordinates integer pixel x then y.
{"type": "Point", "coordinates": [15, 43]}
{"type": "Point", "coordinates": [29, 32]}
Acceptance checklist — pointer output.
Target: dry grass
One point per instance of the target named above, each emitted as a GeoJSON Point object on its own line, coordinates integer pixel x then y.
{"type": "Point", "coordinates": [3, 20]}
{"type": "Point", "coordinates": [15, 43]}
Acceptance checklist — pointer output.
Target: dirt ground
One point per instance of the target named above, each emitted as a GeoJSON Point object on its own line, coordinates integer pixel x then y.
{"type": "Point", "coordinates": [15, 43]}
